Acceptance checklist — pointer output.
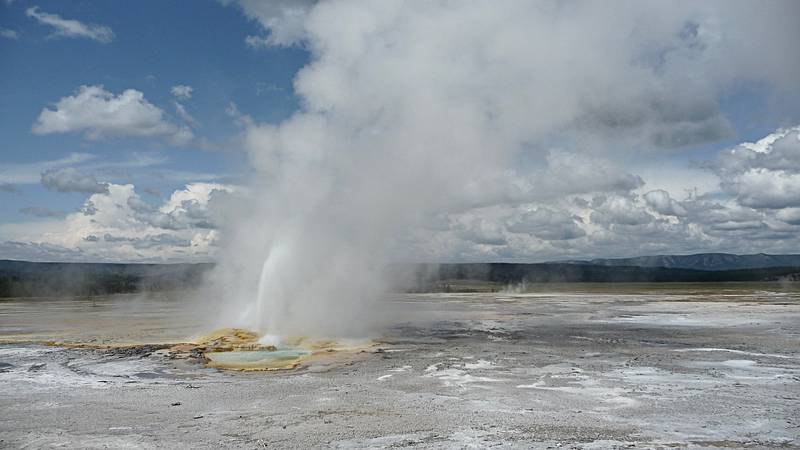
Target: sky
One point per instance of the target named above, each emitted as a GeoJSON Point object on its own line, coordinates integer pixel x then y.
{"type": "Point", "coordinates": [421, 131]}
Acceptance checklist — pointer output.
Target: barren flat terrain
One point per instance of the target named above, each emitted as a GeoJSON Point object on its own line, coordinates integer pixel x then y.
{"type": "Point", "coordinates": [569, 367]}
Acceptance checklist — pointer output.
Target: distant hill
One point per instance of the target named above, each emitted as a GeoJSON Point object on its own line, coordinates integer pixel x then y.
{"type": "Point", "coordinates": [702, 261]}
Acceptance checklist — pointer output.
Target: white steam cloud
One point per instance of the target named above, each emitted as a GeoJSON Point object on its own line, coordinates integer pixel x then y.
{"type": "Point", "coordinates": [413, 110]}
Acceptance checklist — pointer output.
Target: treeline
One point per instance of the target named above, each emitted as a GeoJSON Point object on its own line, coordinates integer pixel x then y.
{"type": "Point", "coordinates": [509, 273]}
{"type": "Point", "coordinates": [34, 279]}
{"type": "Point", "coordinates": [30, 279]}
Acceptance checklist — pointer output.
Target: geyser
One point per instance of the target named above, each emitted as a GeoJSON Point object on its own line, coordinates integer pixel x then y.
{"type": "Point", "coordinates": [419, 122]}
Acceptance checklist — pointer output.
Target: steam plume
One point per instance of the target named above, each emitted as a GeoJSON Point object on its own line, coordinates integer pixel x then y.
{"type": "Point", "coordinates": [413, 110]}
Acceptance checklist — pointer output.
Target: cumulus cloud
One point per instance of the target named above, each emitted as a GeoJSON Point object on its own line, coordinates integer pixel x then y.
{"type": "Point", "coordinates": [99, 113]}
{"type": "Point", "coordinates": [571, 173]}
{"type": "Point", "coordinates": [460, 130]}
{"type": "Point", "coordinates": [546, 223]}
{"type": "Point", "coordinates": [117, 225]}
{"type": "Point", "coordinates": [764, 174]}
{"type": "Point", "coordinates": [764, 188]}
{"type": "Point", "coordinates": [479, 230]}
{"type": "Point", "coordinates": [69, 179]}
{"type": "Point", "coordinates": [188, 208]}
{"type": "Point", "coordinates": [619, 210]}
{"type": "Point", "coordinates": [662, 203]}
{"type": "Point", "coordinates": [71, 28]}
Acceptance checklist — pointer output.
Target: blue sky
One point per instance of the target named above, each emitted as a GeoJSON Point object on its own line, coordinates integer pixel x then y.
{"type": "Point", "coordinates": [156, 45]}
{"type": "Point", "coordinates": [127, 134]}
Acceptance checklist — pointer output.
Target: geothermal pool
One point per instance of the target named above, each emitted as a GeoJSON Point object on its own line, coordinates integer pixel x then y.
{"type": "Point", "coordinates": [581, 366]}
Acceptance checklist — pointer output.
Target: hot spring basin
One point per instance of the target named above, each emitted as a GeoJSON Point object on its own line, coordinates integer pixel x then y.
{"type": "Point", "coordinates": [257, 359]}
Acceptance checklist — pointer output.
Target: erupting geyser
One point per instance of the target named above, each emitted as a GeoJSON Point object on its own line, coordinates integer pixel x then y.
{"type": "Point", "coordinates": [457, 130]}
{"type": "Point", "coordinates": [271, 299]}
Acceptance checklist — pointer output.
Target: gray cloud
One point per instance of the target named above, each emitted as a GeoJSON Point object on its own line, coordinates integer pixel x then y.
{"type": "Point", "coordinates": [40, 251]}
{"type": "Point", "coordinates": [662, 203]}
{"type": "Point", "coordinates": [619, 210]}
{"type": "Point", "coordinates": [70, 179]}
{"type": "Point", "coordinates": [153, 192]}
{"type": "Point", "coordinates": [41, 212]}
{"type": "Point", "coordinates": [789, 215]}
{"type": "Point", "coordinates": [150, 240]}
{"type": "Point", "coordinates": [8, 188]}
{"type": "Point", "coordinates": [482, 232]}
{"type": "Point", "coordinates": [547, 224]}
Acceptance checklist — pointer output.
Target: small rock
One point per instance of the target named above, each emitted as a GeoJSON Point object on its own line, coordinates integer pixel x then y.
{"type": "Point", "coordinates": [36, 367]}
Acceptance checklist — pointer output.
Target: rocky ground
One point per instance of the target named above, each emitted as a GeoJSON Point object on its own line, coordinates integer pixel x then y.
{"type": "Point", "coordinates": [590, 370]}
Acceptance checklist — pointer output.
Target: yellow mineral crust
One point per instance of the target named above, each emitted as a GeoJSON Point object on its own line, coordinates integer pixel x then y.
{"type": "Point", "coordinates": [231, 339]}
{"type": "Point", "coordinates": [238, 349]}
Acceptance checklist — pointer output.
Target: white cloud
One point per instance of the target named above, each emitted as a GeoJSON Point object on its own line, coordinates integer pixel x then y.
{"type": "Point", "coordinates": [99, 113]}
{"type": "Point", "coordinates": [9, 34]}
{"type": "Point", "coordinates": [619, 210]}
{"type": "Point", "coordinates": [117, 225]}
{"type": "Point", "coordinates": [765, 174]}
{"type": "Point", "coordinates": [789, 215]}
{"type": "Point", "coordinates": [282, 20]}
{"type": "Point", "coordinates": [662, 203]}
{"type": "Point", "coordinates": [764, 188]}
{"type": "Point", "coordinates": [480, 231]}
{"type": "Point", "coordinates": [476, 130]}
{"type": "Point", "coordinates": [188, 208]}
{"type": "Point", "coordinates": [71, 28]}
{"type": "Point", "coordinates": [182, 92]}
{"type": "Point", "coordinates": [183, 114]}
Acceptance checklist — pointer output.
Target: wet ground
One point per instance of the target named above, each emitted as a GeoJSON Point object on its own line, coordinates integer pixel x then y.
{"type": "Point", "coordinates": [639, 368]}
